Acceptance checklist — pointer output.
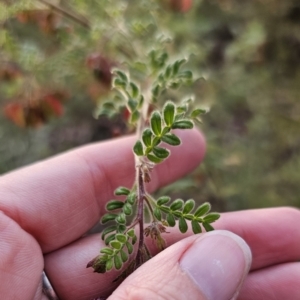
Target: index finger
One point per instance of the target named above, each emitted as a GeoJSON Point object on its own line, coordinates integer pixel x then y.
{"type": "Point", "coordinates": [59, 199]}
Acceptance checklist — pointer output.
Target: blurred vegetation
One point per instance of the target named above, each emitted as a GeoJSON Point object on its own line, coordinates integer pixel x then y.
{"type": "Point", "coordinates": [54, 71]}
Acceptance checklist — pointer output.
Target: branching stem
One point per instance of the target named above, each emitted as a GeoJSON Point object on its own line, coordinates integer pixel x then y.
{"type": "Point", "coordinates": [141, 191]}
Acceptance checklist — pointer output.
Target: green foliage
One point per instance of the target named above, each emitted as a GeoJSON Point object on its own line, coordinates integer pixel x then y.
{"type": "Point", "coordinates": [116, 253]}
{"type": "Point", "coordinates": [183, 212]}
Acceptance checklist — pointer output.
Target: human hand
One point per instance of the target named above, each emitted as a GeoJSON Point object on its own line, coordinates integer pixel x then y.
{"type": "Point", "coordinates": [49, 206]}
{"type": "Point", "coordinates": [214, 265]}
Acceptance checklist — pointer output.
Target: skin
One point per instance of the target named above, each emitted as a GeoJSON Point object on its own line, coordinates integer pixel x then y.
{"type": "Point", "coordinates": [46, 208]}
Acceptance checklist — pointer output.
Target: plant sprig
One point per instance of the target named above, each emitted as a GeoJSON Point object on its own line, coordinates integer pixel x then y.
{"type": "Point", "coordinates": [155, 130]}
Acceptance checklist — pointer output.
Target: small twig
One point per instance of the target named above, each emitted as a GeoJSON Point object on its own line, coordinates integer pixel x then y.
{"type": "Point", "coordinates": [68, 14]}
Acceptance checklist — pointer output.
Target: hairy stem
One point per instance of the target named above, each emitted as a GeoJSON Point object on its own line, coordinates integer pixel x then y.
{"type": "Point", "coordinates": [141, 191]}
{"type": "Point", "coordinates": [140, 214]}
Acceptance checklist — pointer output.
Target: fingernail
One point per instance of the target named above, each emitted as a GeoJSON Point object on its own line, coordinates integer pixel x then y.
{"type": "Point", "coordinates": [217, 262]}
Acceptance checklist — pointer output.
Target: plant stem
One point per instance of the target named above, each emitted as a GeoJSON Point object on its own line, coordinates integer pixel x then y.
{"type": "Point", "coordinates": [140, 215]}
{"type": "Point", "coordinates": [141, 191]}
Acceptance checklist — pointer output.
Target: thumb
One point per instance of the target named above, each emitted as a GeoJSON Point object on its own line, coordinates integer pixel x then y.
{"type": "Point", "coordinates": [210, 266]}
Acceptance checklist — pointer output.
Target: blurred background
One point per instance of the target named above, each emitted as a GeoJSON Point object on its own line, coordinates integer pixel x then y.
{"type": "Point", "coordinates": [55, 62]}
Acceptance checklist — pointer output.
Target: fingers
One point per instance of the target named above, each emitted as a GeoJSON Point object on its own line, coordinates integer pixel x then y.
{"type": "Point", "coordinates": [270, 233]}
{"type": "Point", "coordinates": [265, 234]}
{"type": "Point", "coordinates": [194, 268]}
{"type": "Point", "coordinates": [21, 261]}
{"type": "Point", "coordinates": [277, 282]}
{"type": "Point", "coordinates": [58, 200]}
{"type": "Point", "coordinates": [66, 267]}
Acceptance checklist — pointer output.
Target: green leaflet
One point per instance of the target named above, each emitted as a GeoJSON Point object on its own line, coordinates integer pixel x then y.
{"type": "Point", "coordinates": [196, 227]}
{"type": "Point", "coordinates": [163, 200]}
{"type": "Point", "coordinates": [188, 206]}
{"type": "Point", "coordinates": [121, 238]}
{"type": "Point", "coordinates": [138, 148]}
{"type": "Point", "coordinates": [118, 262]}
{"type": "Point", "coordinates": [169, 113]}
{"type": "Point", "coordinates": [198, 111]}
{"type": "Point", "coordinates": [161, 152]}
{"type": "Point", "coordinates": [114, 204]}
{"type": "Point", "coordinates": [183, 227]}
{"type": "Point", "coordinates": [183, 124]}
{"type": "Point", "coordinates": [122, 191]}
{"type": "Point", "coordinates": [154, 159]}
{"type": "Point", "coordinates": [171, 139]}
{"type": "Point", "coordinates": [212, 217]}
{"type": "Point", "coordinates": [156, 123]}
{"type": "Point", "coordinates": [134, 89]}
{"type": "Point", "coordinates": [108, 217]}
{"type": "Point", "coordinates": [202, 210]}
{"type": "Point", "coordinates": [177, 204]}
{"type": "Point", "coordinates": [147, 137]}
{"type": "Point", "coordinates": [207, 226]}
{"type": "Point", "coordinates": [171, 220]}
